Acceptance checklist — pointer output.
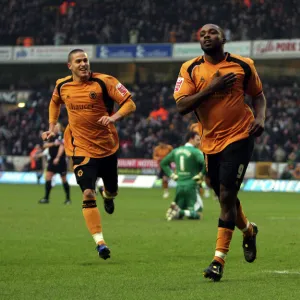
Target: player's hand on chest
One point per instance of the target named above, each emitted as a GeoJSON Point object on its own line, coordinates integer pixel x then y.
{"type": "Point", "coordinates": [219, 78]}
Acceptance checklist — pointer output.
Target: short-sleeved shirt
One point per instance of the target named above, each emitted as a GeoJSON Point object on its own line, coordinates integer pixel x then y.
{"type": "Point", "coordinates": [161, 151]}
{"type": "Point", "coordinates": [86, 102]}
{"type": "Point", "coordinates": [224, 116]}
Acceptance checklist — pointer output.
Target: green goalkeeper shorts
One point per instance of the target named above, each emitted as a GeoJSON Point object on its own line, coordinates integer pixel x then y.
{"type": "Point", "coordinates": [188, 197]}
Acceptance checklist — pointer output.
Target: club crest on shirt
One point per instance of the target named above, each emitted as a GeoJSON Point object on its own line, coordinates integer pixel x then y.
{"type": "Point", "coordinates": [121, 89]}
{"type": "Point", "coordinates": [178, 84]}
{"type": "Point", "coordinates": [93, 95]}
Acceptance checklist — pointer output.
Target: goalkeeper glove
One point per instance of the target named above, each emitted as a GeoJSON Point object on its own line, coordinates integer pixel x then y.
{"type": "Point", "coordinates": [198, 178]}
{"type": "Point", "coordinates": [174, 176]}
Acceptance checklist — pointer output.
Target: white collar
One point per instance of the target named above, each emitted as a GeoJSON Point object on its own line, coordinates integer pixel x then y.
{"type": "Point", "coordinates": [189, 145]}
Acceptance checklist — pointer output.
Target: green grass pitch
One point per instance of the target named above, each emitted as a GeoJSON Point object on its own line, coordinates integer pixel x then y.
{"type": "Point", "coordinates": [46, 251]}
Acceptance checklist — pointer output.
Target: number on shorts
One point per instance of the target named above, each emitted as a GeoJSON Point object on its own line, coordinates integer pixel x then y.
{"type": "Point", "coordinates": [181, 163]}
{"type": "Point", "coordinates": [240, 171]}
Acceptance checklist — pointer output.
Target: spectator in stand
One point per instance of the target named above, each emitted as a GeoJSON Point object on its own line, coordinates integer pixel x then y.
{"type": "Point", "coordinates": [159, 113]}
{"type": "Point", "coordinates": [156, 21]}
{"type": "Point", "coordinates": [279, 153]}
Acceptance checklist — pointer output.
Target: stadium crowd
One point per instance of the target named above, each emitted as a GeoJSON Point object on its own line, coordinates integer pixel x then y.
{"type": "Point", "coordinates": [142, 21]}
{"type": "Point", "coordinates": [157, 120]}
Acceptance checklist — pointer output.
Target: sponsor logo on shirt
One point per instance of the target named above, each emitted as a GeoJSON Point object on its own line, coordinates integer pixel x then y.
{"type": "Point", "coordinates": [80, 106]}
{"type": "Point", "coordinates": [121, 89]}
{"type": "Point", "coordinates": [179, 83]}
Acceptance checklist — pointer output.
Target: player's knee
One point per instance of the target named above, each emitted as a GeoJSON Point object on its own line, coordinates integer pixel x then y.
{"type": "Point", "coordinates": [89, 194]}
{"type": "Point", "coordinates": [48, 176]}
{"type": "Point", "coordinates": [224, 193]}
{"type": "Point", "coordinates": [227, 196]}
{"type": "Point", "coordinates": [64, 179]}
{"type": "Point", "coordinates": [228, 204]}
{"type": "Point", "coordinates": [86, 184]}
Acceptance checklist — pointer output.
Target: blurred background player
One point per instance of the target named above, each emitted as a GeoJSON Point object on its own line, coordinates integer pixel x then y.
{"type": "Point", "coordinates": [91, 138]}
{"type": "Point", "coordinates": [56, 164]}
{"type": "Point", "coordinates": [214, 86]}
{"type": "Point", "coordinates": [159, 152]}
{"type": "Point", "coordinates": [190, 164]}
{"type": "Point", "coordinates": [205, 186]}
{"type": "Point", "coordinates": [36, 162]}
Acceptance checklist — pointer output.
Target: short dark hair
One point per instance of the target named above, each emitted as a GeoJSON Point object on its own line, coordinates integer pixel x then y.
{"type": "Point", "coordinates": [222, 33]}
{"type": "Point", "coordinates": [219, 28]}
{"type": "Point", "coordinates": [191, 135]}
{"type": "Point", "coordinates": [72, 52]}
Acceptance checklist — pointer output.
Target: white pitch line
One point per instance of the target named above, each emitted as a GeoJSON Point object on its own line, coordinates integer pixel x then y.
{"type": "Point", "coordinates": [283, 272]}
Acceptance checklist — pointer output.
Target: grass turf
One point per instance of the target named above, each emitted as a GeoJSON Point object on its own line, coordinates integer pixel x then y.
{"type": "Point", "coordinates": [46, 251]}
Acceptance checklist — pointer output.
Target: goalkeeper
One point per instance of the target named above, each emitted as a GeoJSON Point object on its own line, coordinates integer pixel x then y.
{"type": "Point", "coordinates": [190, 166]}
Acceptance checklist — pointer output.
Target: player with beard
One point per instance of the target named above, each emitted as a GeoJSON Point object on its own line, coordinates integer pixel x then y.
{"type": "Point", "coordinates": [213, 87]}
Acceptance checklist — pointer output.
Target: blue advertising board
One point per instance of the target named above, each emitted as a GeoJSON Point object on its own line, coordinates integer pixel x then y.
{"type": "Point", "coordinates": [114, 51]}
{"type": "Point", "coordinates": [153, 51]}
{"type": "Point", "coordinates": [134, 51]}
